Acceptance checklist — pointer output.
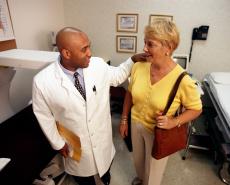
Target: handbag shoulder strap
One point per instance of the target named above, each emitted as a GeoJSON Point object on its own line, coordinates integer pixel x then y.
{"type": "Point", "coordinates": [173, 92]}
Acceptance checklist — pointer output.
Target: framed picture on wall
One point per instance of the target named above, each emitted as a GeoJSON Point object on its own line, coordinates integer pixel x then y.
{"type": "Point", "coordinates": [6, 28]}
{"type": "Point", "coordinates": [126, 44]}
{"type": "Point", "coordinates": [127, 22]}
{"type": "Point", "coordinates": [153, 17]}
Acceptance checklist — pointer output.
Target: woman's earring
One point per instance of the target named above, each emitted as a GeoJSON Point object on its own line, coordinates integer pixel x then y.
{"type": "Point", "coordinates": [167, 54]}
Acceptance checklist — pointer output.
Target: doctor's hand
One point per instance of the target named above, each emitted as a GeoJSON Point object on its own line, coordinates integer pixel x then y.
{"type": "Point", "coordinates": [165, 122]}
{"type": "Point", "coordinates": [139, 57]}
{"type": "Point", "coordinates": [64, 151]}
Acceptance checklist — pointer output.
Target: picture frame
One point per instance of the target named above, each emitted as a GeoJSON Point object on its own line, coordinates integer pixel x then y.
{"type": "Point", "coordinates": [126, 44]}
{"type": "Point", "coordinates": [127, 23]}
{"type": "Point", "coordinates": [152, 17]}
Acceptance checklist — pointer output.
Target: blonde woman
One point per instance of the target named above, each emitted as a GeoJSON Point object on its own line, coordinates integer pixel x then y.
{"type": "Point", "coordinates": [147, 95]}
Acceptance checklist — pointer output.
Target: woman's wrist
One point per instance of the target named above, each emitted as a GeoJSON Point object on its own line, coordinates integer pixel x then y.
{"type": "Point", "coordinates": [124, 120]}
{"type": "Point", "coordinates": [178, 122]}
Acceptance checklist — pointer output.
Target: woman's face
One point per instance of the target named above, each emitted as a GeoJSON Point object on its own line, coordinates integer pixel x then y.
{"type": "Point", "coordinates": [154, 49]}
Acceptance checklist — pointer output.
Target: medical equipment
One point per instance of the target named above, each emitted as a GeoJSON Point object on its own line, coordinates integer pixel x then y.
{"type": "Point", "coordinates": [200, 33]}
{"type": "Point", "coordinates": [217, 87]}
{"type": "Point", "coordinates": [182, 60]}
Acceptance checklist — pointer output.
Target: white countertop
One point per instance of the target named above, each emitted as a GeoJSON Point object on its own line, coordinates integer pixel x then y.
{"type": "Point", "coordinates": [28, 59]}
{"type": "Point", "coordinates": [3, 162]}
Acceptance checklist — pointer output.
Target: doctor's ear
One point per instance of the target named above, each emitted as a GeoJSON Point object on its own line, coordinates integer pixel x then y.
{"type": "Point", "coordinates": [66, 53]}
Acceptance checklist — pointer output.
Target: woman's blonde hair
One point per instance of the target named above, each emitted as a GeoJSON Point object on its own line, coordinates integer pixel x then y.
{"type": "Point", "coordinates": [164, 31]}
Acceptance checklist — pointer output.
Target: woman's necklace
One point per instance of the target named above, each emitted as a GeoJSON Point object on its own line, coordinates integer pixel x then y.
{"type": "Point", "coordinates": [158, 72]}
{"type": "Point", "coordinates": [155, 75]}
{"type": "Point", "coordinates": [153, 71]}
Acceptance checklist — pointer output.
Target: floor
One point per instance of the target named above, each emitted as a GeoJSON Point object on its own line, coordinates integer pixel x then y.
{"type": "Point", "coordinates": [197, 169]}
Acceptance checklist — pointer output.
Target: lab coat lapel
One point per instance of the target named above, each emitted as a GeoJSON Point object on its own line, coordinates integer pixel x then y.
{"type": "Point", "coordinates": [89, 84]}
{"type": "Point", "coordinates": [91, 95]}
{"type": "Point", "coordinates": [66, 83]}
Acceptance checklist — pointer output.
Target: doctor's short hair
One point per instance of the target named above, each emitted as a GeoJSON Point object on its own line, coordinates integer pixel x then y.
{"type": "Point", "coordinates": [62, 35]}
{"type": "Point", "coordinates": [164, 31]}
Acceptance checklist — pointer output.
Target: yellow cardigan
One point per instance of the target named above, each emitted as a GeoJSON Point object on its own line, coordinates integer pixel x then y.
{"type": "Point", "coordinates": [149, 99]}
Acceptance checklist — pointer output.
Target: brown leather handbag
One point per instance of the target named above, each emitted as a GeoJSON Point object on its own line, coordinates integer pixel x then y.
{"type": "Point", "coordinates": [167, 142]}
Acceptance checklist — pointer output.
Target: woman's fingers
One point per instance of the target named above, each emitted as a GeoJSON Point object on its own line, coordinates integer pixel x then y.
{"type": "Point", "coordinates": [124, 130]}
{"type": "Point", "coordinates": [161, 118]}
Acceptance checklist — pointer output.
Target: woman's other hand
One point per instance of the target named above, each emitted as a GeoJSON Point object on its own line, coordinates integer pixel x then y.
{"type": "Point", "coordinates": [165, 122]}
{"type": "Point", "coordinates": [123, 129]}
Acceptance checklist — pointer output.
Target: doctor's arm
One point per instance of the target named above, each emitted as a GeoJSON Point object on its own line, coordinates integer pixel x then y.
{"type": "Point", "coordinates": [47, 121]}
{"type": "Point", "coordinates": [120, 73]}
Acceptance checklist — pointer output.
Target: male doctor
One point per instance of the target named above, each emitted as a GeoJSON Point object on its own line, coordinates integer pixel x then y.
{"type": "Point", "coordinates": [75, 92]}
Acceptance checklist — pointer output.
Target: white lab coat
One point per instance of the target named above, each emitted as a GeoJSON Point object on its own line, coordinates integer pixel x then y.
{"type": "Point", "coordinates": [55, 98]}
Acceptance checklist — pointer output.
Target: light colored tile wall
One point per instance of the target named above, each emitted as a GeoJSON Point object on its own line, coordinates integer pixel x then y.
{"type": "Point", "coordinates": [98, 19]}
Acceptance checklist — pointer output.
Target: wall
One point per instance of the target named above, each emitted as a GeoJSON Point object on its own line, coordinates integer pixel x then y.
{"type": "Point", "coordinates": [32, 22]}
{"type": "Point", "coordinates": [98, 19]}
